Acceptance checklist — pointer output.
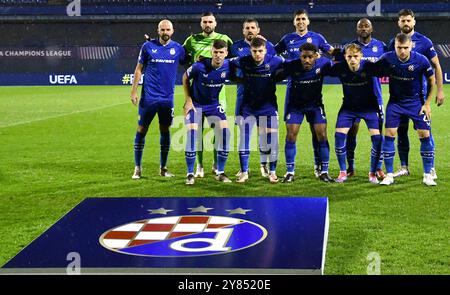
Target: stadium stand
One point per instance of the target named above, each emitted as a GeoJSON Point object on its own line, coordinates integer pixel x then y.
{"type": "Point", "coordinates": [109, 41]}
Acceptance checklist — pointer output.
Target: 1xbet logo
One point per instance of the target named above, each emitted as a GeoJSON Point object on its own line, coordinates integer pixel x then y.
{"type": "Point", "coordinates": [182, 236]}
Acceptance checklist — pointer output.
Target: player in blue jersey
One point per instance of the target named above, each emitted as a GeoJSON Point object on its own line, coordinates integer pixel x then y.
{"type": "Point", "coordinates": [259, 105]}
{"type": "Point", "coordinates": [250, 30]}
{"type": "Point", "coordinates": [371, 49]}
{"type": "Point", "coordinates": [202, 100]}
{"type": "Point", "coordinates": [199, 46]}
{"type": "Point", "coordinates": [305, 100]}
{"type": "Point", "coordinates": [422, 45]}
{"type": "Point", "coordinates": [406, 70]}
{"type": "Point", "coordinates": [158, 61]}
{"type": "Point", "coordinates": [360, 101]}
{"type": "Point", "coordinates": [290, 46]}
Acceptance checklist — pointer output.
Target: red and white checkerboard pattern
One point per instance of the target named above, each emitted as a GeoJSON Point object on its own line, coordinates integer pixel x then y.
{"type": "Point", "coordinates": [159, 229]}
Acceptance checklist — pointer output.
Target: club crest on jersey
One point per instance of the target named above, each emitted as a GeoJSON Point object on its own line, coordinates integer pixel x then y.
{"type": "Point", "coordinates": [411, 68]}
{"type": "Point", "coordinates": [267, 67]}
{"type": "Point", "coordinates": [183, 236]}
{"type": "Point", "coordinates": [223, 75]}
{"type": "Point", "coordinates": [413, 44]}
{"type": "Point", "coordinates": [374, 49]}
{"type": "Point", "coordinates": [309, 40]}
{"type": "Point", "coordinates": [317, 71]}
{"type": "Point", "coordinates": [172, 51]}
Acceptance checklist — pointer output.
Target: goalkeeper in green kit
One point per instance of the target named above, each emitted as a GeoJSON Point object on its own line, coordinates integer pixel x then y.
{"type": "Point", "coordinates": [199, 46]}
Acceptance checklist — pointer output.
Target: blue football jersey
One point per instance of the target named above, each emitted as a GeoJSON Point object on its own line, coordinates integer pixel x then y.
{"type": "Point", "coordinates": [242, 48]}
{"type": "Point", "coordinates": [239, 49]}
{"type": "Point", "coordinates": [259, 85]}
{"type": "Point", "coordinates": [305, 88]}
{"type": "Point", "coordinates": [290, 43]}
{"type": "Point", "coordinates": [405, 78]}
{"type": "Point", "coordinates": [371, 52]}
{"type": "Point", "coordinates": [160, 68]}
{"type": "Point", "coordinates": [358, 87]}
{"type": "Point", "coordinates": [207, 81]}
{"type": "Point", "coordinates": [420, 44]}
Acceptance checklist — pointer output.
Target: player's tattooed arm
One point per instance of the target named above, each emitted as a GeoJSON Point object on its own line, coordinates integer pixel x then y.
{"type": "Point", "coordinates": [136, 79]}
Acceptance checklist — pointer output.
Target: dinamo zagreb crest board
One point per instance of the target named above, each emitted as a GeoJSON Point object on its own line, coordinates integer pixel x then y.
{"type": "Point", "coordinates": [254, 235]}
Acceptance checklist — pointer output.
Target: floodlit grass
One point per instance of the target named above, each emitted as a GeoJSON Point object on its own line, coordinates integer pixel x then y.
{"type": "Point", "coordinates": [59, 145]}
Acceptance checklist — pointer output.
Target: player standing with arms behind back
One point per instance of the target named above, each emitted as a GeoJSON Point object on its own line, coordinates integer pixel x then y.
{"type": "Point", "coordinates": [158, 60]}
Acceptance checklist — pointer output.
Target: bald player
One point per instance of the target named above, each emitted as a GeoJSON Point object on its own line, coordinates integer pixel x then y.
{"type": "Point", "coordinates": [158, 60]}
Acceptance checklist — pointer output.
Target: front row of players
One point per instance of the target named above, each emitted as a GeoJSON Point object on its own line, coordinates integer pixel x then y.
{"type": "Point", "coordinates": [259, 73]}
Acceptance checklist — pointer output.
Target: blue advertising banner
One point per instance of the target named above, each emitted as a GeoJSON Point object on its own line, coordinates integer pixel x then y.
{"type": "Point", "coordinates": [100, 65]}
{"type": "Point", "coordinates": [252, 235]}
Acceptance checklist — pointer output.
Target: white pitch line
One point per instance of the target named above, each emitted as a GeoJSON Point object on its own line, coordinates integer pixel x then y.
{"type": "Point", "coordinates": [67, 114]}
{"type": "Point", "coordinates": [61, 115]}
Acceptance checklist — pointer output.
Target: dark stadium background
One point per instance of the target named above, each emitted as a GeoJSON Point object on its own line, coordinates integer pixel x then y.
{"type": "Point", "coordinates": [104, 41]}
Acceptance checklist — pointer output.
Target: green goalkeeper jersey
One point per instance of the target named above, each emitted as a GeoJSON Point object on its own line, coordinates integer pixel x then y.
{"type": "Point", "coordinates": [198, 46]}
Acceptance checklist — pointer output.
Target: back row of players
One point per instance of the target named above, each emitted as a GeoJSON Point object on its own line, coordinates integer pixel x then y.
{"type": "Point", "coordinates": [257, 68]}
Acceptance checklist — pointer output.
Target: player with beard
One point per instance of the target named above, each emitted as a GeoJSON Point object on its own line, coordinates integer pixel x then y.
{"type": "Point", "coordinates": [406, 70]}
{"type": "Point", "coordinates": [422, 45]}
{"type": "Point", "coordinates": [290, 46]}
{"type": "Point", "coordinates": [250, 30]}
{"type": "Point", "coordinates": [199, 46]}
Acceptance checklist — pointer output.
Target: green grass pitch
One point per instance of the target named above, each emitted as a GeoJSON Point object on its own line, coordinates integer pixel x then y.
{"type": "Point", "coordinates": [59, 145]}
